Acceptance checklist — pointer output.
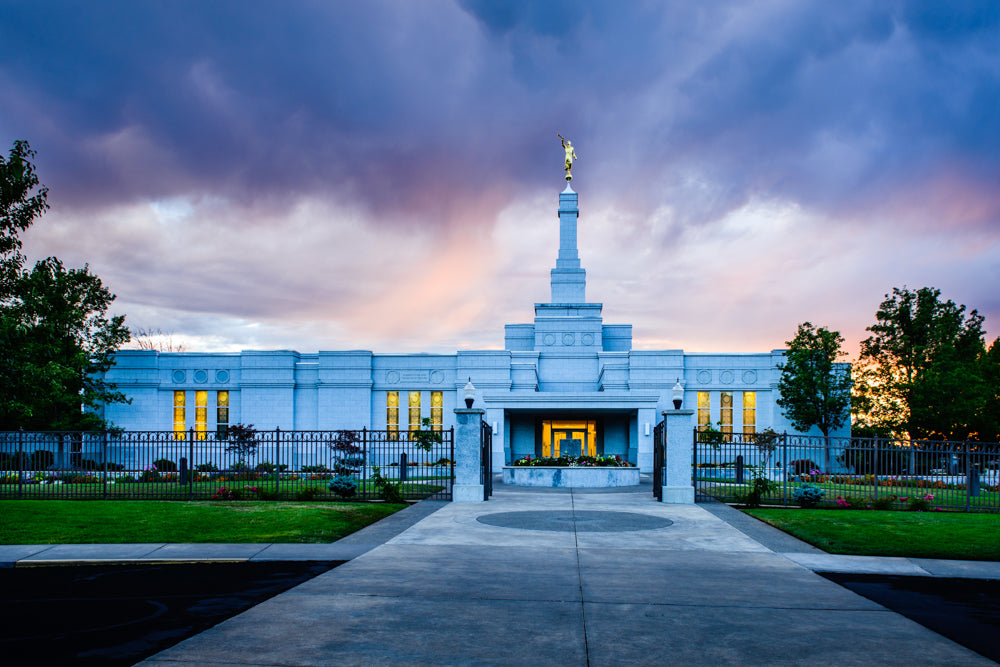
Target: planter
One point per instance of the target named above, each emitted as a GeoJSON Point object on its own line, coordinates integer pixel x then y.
{"type": "Point", "coordinates": [570, 477]}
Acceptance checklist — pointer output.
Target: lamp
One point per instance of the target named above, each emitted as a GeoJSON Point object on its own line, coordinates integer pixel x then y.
{"type": "Point", "coordinates": [678, 394]}
{"type": "Point", "coordinates": [470, 394]}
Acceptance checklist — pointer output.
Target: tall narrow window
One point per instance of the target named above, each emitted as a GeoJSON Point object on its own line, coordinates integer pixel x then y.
{"type": "Point", "coordinates": [392, 414]}
{"type": "Point", "coordinates": [179, 417]}
{"type": "Point", "coordinates": [414, 411]}
{"type": "Point", "coordinates": [437, 410]}
{"type": "Point", "coordinates": [726, 411]}
{"type": "Point", "coordinates": [749, 412]}
{"type": "Point", "coordinates": [200, 414]}
{"type": "Point", "coordinates": [222, 414]}
{"type": "Point", "coordinates": [704, 409]}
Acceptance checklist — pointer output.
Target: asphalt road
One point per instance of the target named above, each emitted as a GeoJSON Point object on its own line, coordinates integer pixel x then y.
{"type": "Point", "coordinates": [118, 614]}
{"type": "Point", "coordinates": [964, 610]}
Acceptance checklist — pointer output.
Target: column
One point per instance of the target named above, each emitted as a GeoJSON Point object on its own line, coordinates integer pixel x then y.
{"type": "Point", "coordinates": [677, 486]}
{"type": "Point", "coordinates": [468, 450]}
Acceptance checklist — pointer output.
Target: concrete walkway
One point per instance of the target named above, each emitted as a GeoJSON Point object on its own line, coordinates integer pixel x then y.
{"type": "Point", "coordinates": [577, 578]}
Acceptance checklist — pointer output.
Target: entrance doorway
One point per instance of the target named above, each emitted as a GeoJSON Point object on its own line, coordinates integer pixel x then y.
{"type": "Point", "coordinates": [569, 438]}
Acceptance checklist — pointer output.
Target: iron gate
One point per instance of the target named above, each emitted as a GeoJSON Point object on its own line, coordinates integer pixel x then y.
{"type": "Point", "coordinates": [659, 459]}
{"type": "Point", "coordinates": [486, 459]}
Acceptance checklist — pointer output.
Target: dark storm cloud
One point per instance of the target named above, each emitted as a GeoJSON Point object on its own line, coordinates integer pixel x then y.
{"type": "Point", "coordinates": [291, 131]}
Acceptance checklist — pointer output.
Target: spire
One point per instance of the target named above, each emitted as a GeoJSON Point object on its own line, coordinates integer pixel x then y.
{"type": "Point", "coordinates": [569, 281]}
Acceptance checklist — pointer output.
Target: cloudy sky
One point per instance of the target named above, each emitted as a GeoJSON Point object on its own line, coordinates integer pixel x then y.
{"type": "Point", "coordinates": [385, 175]}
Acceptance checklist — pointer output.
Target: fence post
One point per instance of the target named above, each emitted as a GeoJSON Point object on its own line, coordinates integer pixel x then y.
{"type": "Point", "coordinates": [20, 463]}
{"type": "Point", "coordinates": [104, 457]}
{"type": "Point", "coordinates": [451, 455]}
{"type": "Point", "coordinates": [875, 464]}
{"type": "Point", "coordinates": [784, 469]}
{"type": "Point", "coordinates": [469, 449]}
{"type": "Point", "coordinates": [364, 464]}
{"type": "Point", "coordinates": [191, 468]}
{"type": "Point", "coordinates": [968, 475]}
{"type": "Point", "coordinates": [277, 459]}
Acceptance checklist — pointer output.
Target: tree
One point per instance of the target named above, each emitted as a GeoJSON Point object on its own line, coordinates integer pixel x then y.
{"type": "Point", "coordinates": [55, 341]}
{"type": "Point", "coordinates": [986, 421]}
{"type": "Point", "coordinates": [922, 368]}
{"type": "Point", "coordinates": [18, 209]}
{"type": "Point", "coordinates": [57, 344]}
{"type": "Point", "coordinates": [154, 339]}
{"type": "Point", "coordinates": [815, 390]}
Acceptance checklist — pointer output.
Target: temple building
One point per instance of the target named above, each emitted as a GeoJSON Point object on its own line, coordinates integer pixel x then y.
{"type": "Point", "coordinates": [564, 383]}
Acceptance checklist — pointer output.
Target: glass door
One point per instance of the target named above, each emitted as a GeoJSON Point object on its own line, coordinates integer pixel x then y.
{"type": "Point", "coordinates": [569, 438]}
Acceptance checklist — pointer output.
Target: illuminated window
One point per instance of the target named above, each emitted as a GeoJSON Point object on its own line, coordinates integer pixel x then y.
{"type": "Point", "coordinates": [392, 414]}
{"type": "Point", "coordinates": [704, 409]}
{"type": "Point", "coordinates": [437, 410]}
{"type": "Point", "coordinates": [200, 414]}
{"type": "Point", "coordinates": [179, 417]}
{"type": "Point", "coordinates": [726, 411]}
{"type": "Point", "coordinates": [222, 414]}
{"type": "Point", "coordinates": [749, 412]}
{"type": "Point", "coordinates": [414, 411]}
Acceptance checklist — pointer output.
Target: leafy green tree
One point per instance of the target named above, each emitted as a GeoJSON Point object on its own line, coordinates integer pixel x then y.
{"type": "Point", "coordinates": [986, 421]}
{"type": "Point", "coordinates": [815, 389]}
{"type": "Point", "coordinates": [56, 342]}
{"type": "Point", "coordinates": [20, 204]}
{"type": "Point", "coordinates": [921, 369]}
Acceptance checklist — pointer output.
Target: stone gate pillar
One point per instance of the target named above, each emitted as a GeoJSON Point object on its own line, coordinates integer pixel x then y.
{"type": "Point", "coordinates": [677, 486]}
{"type": "Point", "coordinates": [468, 450]}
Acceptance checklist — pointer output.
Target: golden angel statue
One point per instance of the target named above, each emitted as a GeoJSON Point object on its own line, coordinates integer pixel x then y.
{"type": "Point", "coordinates": [570, 156]}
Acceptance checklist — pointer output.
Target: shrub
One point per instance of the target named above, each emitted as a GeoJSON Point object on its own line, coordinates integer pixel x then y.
{"type": "Point", "coordinates": [13, 461]}
{"type": "Point", "coordinates": [343, 486]}
{"type": "Point", "coordinates": [315, 469]}
{"type": "Point", "coordinates": [165, 465]}
{"type": "Point", "coordinates": [225, 493]}
{"type": "Point", "coordinates": [803, 466]}
{"type": "Point", "coordinates": [348, 465]}
{"type": "Point", "coordinates": [920, 503]}
{"type": "Point", "coordinates": [307, 494]}
{"type": "Point", "coordinates": [390, 492]}
{"type": "Point", "coordinates": [206, 467]}
{"type": "Point", "coordinates": [760, 486]}
{"type": "Point", "coordinates": [426, 437]}
{"type": "Point", "coordinates": [808, 495]}
{"type": "Point", "coordinates": [268, 467]}
{"type": "Point", "coordinates": [850, 502]}
{"type": "Point", "coordinates": [883, 503]}
{"type": "Point", "coordinates": [42, 459]}
{"type": "Point", "coordinates": [150, 474]}
{"type": "Point", "coordinates": [263, 492]}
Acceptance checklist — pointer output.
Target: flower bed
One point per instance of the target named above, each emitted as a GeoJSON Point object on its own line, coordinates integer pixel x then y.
{"type": "Point", "coordinates": [571, 472]}
{"type": "Point", "coordinates": [574, 461]}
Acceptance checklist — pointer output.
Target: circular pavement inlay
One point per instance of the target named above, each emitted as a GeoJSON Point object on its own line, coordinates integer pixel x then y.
{"type": "Point", "coordinates": [580, 521]}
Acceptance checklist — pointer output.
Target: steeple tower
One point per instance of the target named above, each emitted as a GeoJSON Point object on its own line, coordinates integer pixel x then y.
{"type": "Point", "coordinates": [569, 280]}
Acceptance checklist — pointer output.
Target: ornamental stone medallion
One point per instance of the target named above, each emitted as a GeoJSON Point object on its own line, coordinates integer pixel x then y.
{"type": "Point", "coordinates": [749, 377]}
{"type": "Point", "coordinates": [704, 377]}
{"type": "Point", "coordinates": [727, 377]}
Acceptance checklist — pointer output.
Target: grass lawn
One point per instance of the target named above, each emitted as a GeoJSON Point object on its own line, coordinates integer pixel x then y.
{"type": "Point", "coordinates": [415, 488]}
{"type": "Point", "coordinates": [943, 497]}
{"type": "Point", "coordinates": [874, 533]}
{"type": "Point", "coordinates": [124, 521]}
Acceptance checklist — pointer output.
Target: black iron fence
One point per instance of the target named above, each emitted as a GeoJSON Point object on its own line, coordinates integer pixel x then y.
{"type": "Point", "coordinates": [848, 472]}
{"type": "Point", "coordinates": [163, 465]}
